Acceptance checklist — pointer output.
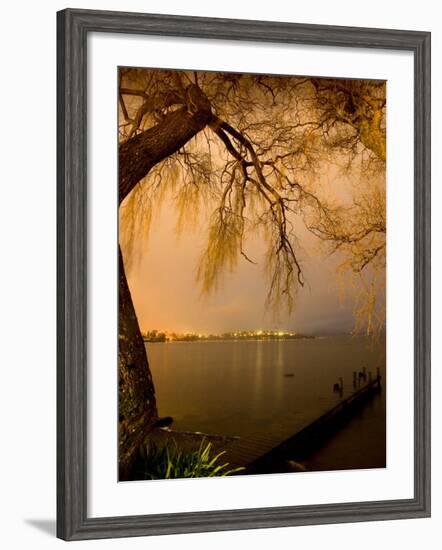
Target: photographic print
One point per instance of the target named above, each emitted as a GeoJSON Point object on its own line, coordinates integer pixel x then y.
{"type": "Point", "coordinates": [252, 274]}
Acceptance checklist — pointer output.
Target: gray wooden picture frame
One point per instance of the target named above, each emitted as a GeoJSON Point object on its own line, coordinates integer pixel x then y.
{"type": "Point", "coordinates": [73, 27]}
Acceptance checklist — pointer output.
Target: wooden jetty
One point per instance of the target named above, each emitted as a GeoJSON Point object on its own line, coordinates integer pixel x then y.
{"type": "Point", "coordinates": [279, 450]}
{"type": "Point", "coordinates": [259, 455]}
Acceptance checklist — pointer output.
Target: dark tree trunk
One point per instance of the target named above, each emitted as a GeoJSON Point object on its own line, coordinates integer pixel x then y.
{"type": "Point", "coordinates": [137, 407]}
{"type": "Point", "coordinates": [137, 404]}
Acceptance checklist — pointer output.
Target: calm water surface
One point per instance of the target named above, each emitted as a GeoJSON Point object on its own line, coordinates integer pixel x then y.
{"type": "Point", "coordinates": [240, 388]}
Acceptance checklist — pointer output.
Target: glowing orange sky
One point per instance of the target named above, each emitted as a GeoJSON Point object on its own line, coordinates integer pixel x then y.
{"type": "Point", "coordinates": [166, 296]}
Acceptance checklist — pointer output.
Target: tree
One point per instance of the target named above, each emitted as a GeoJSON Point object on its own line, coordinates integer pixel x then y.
{"type": "Point", "coordinates": [250, 145]}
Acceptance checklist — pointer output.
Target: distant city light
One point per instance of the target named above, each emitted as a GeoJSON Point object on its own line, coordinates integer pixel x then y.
{"type": "Point", "coordinates": [189, 336]}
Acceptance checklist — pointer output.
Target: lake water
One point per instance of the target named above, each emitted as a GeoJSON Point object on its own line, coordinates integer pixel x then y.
{"type": "Point", "coordinates": [240, 388]}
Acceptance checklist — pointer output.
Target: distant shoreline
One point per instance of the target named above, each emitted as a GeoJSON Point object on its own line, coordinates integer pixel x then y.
{"type": "Point", "coordinates": [164, 338]}
{"type": "Point", "coordinates": [243, 339]}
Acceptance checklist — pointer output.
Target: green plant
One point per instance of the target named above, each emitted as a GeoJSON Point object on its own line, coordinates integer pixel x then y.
{"type": "Point", "coordinates": [168, 461]}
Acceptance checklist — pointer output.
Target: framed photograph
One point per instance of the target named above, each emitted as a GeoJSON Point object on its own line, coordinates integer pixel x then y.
{"type": "Point", "coordinates": [243, 274]}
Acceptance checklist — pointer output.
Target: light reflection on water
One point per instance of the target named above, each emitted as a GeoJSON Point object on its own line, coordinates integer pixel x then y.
{"type": "Point", "coordinates": [239, 387]}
